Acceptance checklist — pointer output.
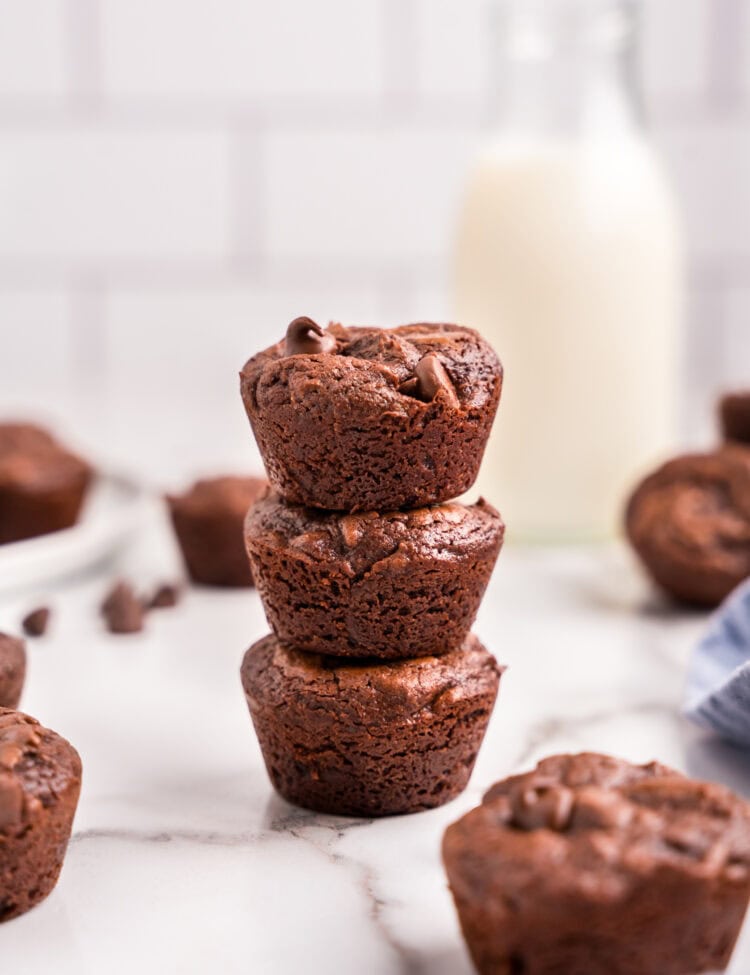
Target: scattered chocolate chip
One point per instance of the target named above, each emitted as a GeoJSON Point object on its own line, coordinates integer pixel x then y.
{"type": "Point", "coordinates": [542, 806]}
{"type": "Point", "coordinates": [306, 337]}
{"type": "Point", "coordinates": [35, 623]}
{"type": "Point", "coordinates": [122, 609]}
{"type": "Point", "coordinates": [164, 597]}
{"type": "Point", "coordinates": [429, 378]}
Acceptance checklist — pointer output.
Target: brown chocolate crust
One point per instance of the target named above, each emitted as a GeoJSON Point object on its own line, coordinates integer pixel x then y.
{"type": "Point", "coordinates": [42, 485]}
{"type": "Point", "coordinates": [397, 585]}
{"type": "Point", "coordinates": [12, 670]}
{"type": "Point", "coordinates": [369, 738]}
{"type": "Point", "coordinates": [689, 522]}
{"type": "Point", "coordinates": [734, 416]}
{"type": "Point", "coordinates": [591, 865]}
{"type": "Point", "coordinates": [362, 428]}
{"type": "Point", "coordinates": [208, 522]}
{"type": "Point", "coordinates": [40, 781]}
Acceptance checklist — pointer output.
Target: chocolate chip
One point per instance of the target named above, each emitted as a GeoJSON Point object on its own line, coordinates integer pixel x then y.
{"type": "Point", "coordinates": [35, 622]}
{"type": "Point", "coordinates": [164, 597]}
{"type": "Point", "coordinates": [542, 807]}
{"type": "Point", "coordinates": [122, 609]}
{"type": "Point", "coordinates": [306, 337]}
{"type": "Point", "coordinates": [430, 377]}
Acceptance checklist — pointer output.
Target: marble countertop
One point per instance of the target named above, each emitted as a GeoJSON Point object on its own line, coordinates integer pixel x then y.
{"type": "Point", "coordinates": [184, 861]}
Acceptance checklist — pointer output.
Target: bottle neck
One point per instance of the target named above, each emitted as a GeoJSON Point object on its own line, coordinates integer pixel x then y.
{"type": "Point", "coordinates": [566, 76]}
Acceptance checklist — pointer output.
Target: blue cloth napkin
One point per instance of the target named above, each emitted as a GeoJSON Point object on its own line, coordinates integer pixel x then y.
{"type": "Point", "coordinates": [718, 688]}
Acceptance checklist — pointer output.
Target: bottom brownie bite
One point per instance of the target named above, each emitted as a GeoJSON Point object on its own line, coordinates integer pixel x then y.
{"type": "Point", "coordinates": [591, 866]}
{"type": "Point", "coordinates": [40, 779]}
{"type": "Point", "coordinates": [208, 522]}
{"type": "Point", "coordinates": [12, 670]}
{"type": "Point", "coordinates": [369, 738]}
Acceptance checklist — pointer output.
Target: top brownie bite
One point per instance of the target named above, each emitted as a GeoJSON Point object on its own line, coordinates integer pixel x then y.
{"type": "Point", "coordinates": [42, 484]}
{"type": "Point", "coordinates": [591, 864]}
{"type": "Point", "coordinates": [368, 419]}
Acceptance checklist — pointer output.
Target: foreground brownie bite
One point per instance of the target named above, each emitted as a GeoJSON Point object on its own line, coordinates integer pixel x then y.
{"type": "Point", "coordinates": [12, 670]}
{"type": "Point", "coordinates": [367, 419]}
{"type": "Point", "coordinates": [42, 485]}
{"type": "Point", "coordinates": [401, 584]}
{"type": "Point", "coordinates": [591, 866]}
{"type": "Point", "coordinates": [40, 780]}
{"type": "Point", "coordinates": [208, 522]}
{"type": "Point", "coordinates": [367, 738]}
{"type": "Point", "coordinates": [689, 522]}
{"type": "Point", "coordinates": [734, 416]}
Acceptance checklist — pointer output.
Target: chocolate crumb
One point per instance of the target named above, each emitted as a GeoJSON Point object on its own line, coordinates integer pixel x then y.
{"type": "Point", "coordinates": [35, 623]}
{"type": "Point", "coordinates": [122, 609]}
{"type": "Point", "coordinates": [164, 597]}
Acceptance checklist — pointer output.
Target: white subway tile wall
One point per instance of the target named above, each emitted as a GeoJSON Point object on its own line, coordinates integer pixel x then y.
{"type": "Point", "coordinates": [179, 178]}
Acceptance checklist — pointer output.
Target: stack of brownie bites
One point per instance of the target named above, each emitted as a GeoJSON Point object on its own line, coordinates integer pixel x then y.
{"type": "Point", "coordinates": [371, 697]}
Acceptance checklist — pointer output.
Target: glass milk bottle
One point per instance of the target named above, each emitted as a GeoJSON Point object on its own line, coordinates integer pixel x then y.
{"type": "Point", "coordinates": [569, 261]}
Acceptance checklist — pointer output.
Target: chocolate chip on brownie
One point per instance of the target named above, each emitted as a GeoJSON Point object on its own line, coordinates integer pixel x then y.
{"type": "Point", "coordinates": [368, 738]}
{"type": "Point", "coordinates": [361, 419]}
{"type": "Point", "coordinates": [40, 780]}
{"type": "Point", "coordinates": [394, 585]}
{"type": "Point", "coordinates": [590, 864]}
{"type": "Point", "coordinates": [689, 522]}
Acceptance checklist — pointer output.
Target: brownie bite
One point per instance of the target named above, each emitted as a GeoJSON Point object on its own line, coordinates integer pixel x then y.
{"type": "Point", "coordinates": [369, 738]}
{"type": "Point", "coordinates": [40, 779]}
{"type": "Point", "coordinates": [734, 417]}
{"type": "Point", "coordinates": [402, 584]}
{"type": "Point", "coordinates": [12, 670]}
{"type": "Point", "coordinates": [368, 419]}
{"type": "Point", "coordinates": [689, 522]}
{"type": "Point", "coordinates": [208, 522]}
{"type": "Point", "coordinates": [591, 865]}
{"type": "Point", "coordinates": [42, 484]}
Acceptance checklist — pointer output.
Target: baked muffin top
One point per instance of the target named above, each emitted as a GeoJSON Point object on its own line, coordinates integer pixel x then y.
{"type": "Point", "coordinates": [597, 825]}
{"type": "Point", "coordinates": [32, 460]}
{"type": "Point", "coordinates": [36, 767]}
{"type": "Point", "coordinates": [695, 511]}
{"type": "Point", "coordinates": [395, 366]}
{"type": "Point", "coordinates": [442, 532]}
{"type": "Point", "coordinates": [230, 494]}
{"type": "Point", "coordinates": [400, 687]}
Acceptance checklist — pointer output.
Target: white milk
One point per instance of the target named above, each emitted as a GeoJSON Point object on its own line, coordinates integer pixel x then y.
{"type": "Point", "coordinates": [568, 261]}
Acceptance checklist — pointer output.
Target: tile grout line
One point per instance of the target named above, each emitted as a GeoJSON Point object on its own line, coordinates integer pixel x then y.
{"type": "Point", "coordinates": [84, 54]}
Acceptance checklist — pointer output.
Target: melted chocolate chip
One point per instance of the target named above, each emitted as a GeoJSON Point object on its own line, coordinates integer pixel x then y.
{"type": "Point", "coordinates": [542, 806]}
{"type": "Point", "coordinates": [122, 610]}
{"type": "Point", "coordinates": [35, 622]}
{"type": "Point", "coordinates": [430, 377]}
{"type": "Point", "coordinates": [164, 597]}
{"type": "Point", "coordinates": [18, 735]}
{"type": "Point", "coordinates": [306, 337]}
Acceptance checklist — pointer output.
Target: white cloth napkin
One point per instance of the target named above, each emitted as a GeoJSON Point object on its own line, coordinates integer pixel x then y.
{"type": "Point", "coordinates": [718, 688]}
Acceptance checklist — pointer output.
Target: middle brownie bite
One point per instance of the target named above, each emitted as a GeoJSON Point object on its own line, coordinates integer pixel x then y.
{"type": "Point", "coordinates": [369, 739]}
{"type": "Point", "coordinates": [396, 585]}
